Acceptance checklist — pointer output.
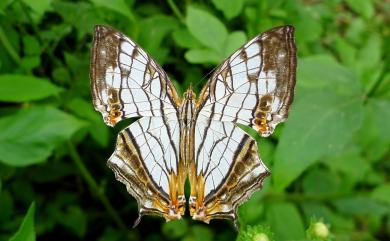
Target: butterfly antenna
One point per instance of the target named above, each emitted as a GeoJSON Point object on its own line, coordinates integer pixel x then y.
{"type": "Point", "coordinates": [204, 77]}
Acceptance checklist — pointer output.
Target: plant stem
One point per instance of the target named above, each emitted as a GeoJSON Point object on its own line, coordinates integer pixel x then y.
{"type": "Point", "coordinates": [10, 49]}
{"type": "Point", "coordinates": [176, 10]}
{"type": "Point", "coordinates": [379, 80]}
{"type": "Point", "coordinates": [94, 187]}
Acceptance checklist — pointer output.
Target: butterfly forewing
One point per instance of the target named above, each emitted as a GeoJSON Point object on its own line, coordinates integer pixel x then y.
{"type": "Point", "coordinates": [255, 85]}
{"type": "Point", "coordinates": [125, 81]}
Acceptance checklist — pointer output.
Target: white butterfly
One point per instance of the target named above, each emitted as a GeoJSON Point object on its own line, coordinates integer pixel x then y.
{"type": "Point", "coordinates": [179, 138]}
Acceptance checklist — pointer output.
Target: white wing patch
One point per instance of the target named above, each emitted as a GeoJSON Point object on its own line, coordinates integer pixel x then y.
{"type": "Point", "coordinates": [157, 143]}
{"type": "Point", "coordinates": [216, 146]}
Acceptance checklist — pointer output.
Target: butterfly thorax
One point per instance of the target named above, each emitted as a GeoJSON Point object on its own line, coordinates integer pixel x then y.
{"type": "Point", "coordinates": [187, 109]}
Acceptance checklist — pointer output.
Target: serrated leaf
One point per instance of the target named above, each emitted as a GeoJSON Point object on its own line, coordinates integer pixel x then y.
{"type": "Point", "coordinates": [202, 56]}
{"type": "Point", "coordinates": [281, 214]}
{"type": "Point", "coordinates": [30, 136]}
{"type": "Point", "coordinates": [362, 7]}
{"type": "Point", "coordinates": [19, 88]}
{"type": "Point", "coordinates": [229, 8]}
{"type": "Point", "coordinates": [119, 6]}
{"type": "Point", "coordinates": [321, 123]}
{"type": "Point", "coordinates": [208, 29]}
{"type": "Point", "coordinates": [26, 230]}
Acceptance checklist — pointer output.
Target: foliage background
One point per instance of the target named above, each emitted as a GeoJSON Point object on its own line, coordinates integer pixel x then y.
{"type": "Point", "coordinates": [330, 161]}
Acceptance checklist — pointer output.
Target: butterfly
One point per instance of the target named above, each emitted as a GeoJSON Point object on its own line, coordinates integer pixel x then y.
{"type": "Point", "coordinates": [176, 139]}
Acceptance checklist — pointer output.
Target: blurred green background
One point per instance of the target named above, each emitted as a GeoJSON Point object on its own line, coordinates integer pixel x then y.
{"type": "Point", "coordinates": [330, 160]}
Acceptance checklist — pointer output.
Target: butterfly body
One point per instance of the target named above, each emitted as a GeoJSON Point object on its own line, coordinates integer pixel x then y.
{"type": "Point", "coordinates": [196, 139]}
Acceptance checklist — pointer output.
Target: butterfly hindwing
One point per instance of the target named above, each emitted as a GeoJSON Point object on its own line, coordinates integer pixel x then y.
{"type": "Point", "coordinates": [146, 160]}
{"type": "Point", "coordinates": [225, 171]}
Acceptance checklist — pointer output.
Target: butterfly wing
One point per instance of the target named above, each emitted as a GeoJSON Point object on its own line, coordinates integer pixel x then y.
{"type": "Point", "coordinates": [254, 86]}
{"type": "Point", "coordinates": [125, 81]}
{"type": "Point", "coordinates": [146, 160]}
{"type": "Point", "coordinates": [227, 169]}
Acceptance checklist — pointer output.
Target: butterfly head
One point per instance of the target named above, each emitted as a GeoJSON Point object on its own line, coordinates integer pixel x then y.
{"type": "Point", "coordinates": [189, 94]}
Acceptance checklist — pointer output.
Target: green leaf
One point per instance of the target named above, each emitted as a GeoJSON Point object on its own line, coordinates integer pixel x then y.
{"type": "Point", "coordinates": [175, 229]}
{"type": "Point", "coordinates": [308, 27]}
{"type": "Point", "coordinates": [75, 220]}
{"type": "Point", "coordinates": [119, 6]}
{"type": "Point", "coordinates": [234, 41]}
{"type": "Point", "coordinates": [202, 56]}
{"type": "Point", "coordinates": [321, 123]}
{"type": "Point", "coordinates": [98, 130]}
{"type": "Point", "coordinates": [362, 7]}
{"type": "Point", "coordinates": [229, 8]}
{"type": "Point", "coordinates": [183, 38]}
{"type": "Point", "coordinates": [323, 72]}
{"type": "Point", "coordinates": [285, 221]}
{"type": "Point", "coordinates": [26, 231]}
{"type": "Point", "coordinates": [158, 27]}
{"type": "Point", "coordinates": [375, 129]}
{"type": "Point", "coordinates": [38, 7]}
{"type": "Point", "coordinates": [30, 136]}
{"type": "Point", "coordinates": [19, 88]}
{"type": "Point", "coordinates": [382, 193]}
{"type": "Point", "coordinates": [208, 29]}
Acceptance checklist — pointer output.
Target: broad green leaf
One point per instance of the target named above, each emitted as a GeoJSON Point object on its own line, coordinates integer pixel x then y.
{"type": "Point", "coordinates": [350, 162]}
{"type": "Point", "coordinates": [26, 231]}
{"type": "Point", "coordinates": [323, 72]}
{"type": "Point", "coordinates": [285, 221]}
{"type": "Point", "coordinates": [119, 6]}
{"type": "Point", "coordinates": [360, 205]}
{"type": "Point", "coordinates": [229, 8]}
{"type": "Point", "coordinates": [38, 7]}
{"type": "Point", "coordinates": [382, 193]}
{"type": "Point", "coordinates": [308, 27]}
{"type": "Point", "coordinates": [158, 27]}
{"type": "Point", "coordinates": [183, 38]}
{"type": "Point", "coordinates": [208, 29]}
{"type": "Point", "coordinates": [321, 123]}
{"type": "Point", "coordinates": [19, 88]}
{"type": "Point", "coordinates": [362, 7]}
{"type": "Point", "coordinates": [30, 136]}
{"type": "Point", "coordinates": [321, 182]}
{"type": "Point", "coordinates": [375, 129]}
{"type": "Point", "coordinates": [83, 109]}
{"type": "Point", "coordinates": [202, 56]}
{"type": "Point", "coordinates": [234, 41]}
